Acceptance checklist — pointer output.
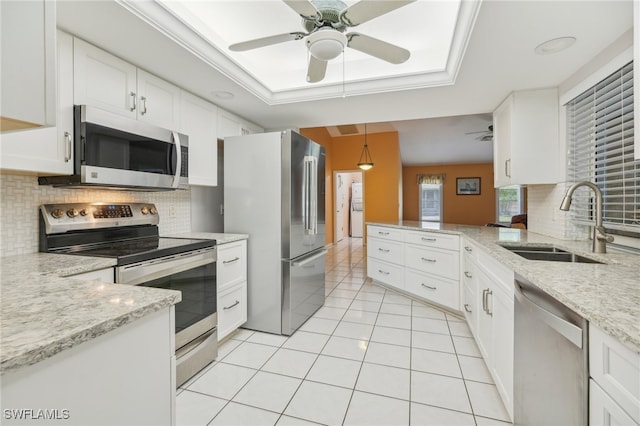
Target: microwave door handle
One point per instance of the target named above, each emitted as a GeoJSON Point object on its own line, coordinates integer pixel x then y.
{"type": "Point", "coordinates": [176, 177]}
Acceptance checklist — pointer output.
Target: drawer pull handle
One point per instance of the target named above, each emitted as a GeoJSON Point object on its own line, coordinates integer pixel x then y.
{"type": "Point", "coordinates": [383, 272]}
{"type": "Point", "coordinates": [469, 249]}
{"type": "Point", "coordinates": [468, 275]}
{"type": "Point", "coordinates": [429, 287]}
{"type": "Point", "coordinates": [235, 259]}
{"type": "Point", "coordinates": [466, 307]}
{"type": "Point", "coordinates": [428, 260]}
{"type": "Point", "coordinates": [384, 250]}
{"type": "Point", "coordinates": [431, 240]}
{"type": "Point", "coordinates": [382, 233]}
{"type": "Point", "coordinates": [232, 306]}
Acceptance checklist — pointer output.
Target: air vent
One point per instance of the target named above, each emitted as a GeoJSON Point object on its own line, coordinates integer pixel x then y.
{"type": "Point", "coordinates": [348, 129]}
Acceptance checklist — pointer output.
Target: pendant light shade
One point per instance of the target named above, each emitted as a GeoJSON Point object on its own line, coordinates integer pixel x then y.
{"type": "Point", "coordinates": [365, 162]}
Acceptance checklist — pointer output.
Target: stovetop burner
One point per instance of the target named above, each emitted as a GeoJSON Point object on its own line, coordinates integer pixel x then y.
{"type": "Point", "coordinates": [127, 232]}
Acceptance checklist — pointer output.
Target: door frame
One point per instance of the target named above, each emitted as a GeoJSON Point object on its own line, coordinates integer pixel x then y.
{"type": "Point", "coordinates": [335, 200]}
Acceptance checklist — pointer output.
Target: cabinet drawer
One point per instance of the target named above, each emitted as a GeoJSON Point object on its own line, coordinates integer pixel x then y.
{"type": "Point", "coordinates": [469, 250]}
{"type": "Point", "coordinates": [616, 369]}
{"type": "Point", "coordinates": [386, 250]}
{"type": "Point", "coordinates": [433, 239]}
{"type": "Point", "coordinates": [469, 306]}
{"type": "Point", "coordinates": [445, 263]}
{"type": "Point", "coordinates": [603, 410]}
{"type": "Point", "coordinates": [232, 309]}
{"type": "Point", "coordinates": [384, 232]}
{"type": "Point", "coordinates": [232, 263]}
{"type": "Point", "coordinates": [432, 287]}
{"type": "Point", "coordinates": [385, 272]}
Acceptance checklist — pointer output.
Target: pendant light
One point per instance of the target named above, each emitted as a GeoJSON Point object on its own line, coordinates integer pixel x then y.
{"type": "Point", "coordinates": [365, 162]}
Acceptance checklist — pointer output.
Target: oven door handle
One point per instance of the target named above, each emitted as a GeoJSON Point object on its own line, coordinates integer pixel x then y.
{"type": "Point", "coordinates": [139, 273]}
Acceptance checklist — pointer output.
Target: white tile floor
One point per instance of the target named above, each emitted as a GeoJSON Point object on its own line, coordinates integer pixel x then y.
{"type": "Point", "coordinates": [368, 357]}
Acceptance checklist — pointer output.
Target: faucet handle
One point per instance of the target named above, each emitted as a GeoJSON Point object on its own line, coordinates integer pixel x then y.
{"type": "Point", "coordinates": [602, 235]}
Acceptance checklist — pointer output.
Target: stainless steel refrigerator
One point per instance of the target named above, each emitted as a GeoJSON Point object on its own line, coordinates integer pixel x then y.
{"type": "Point", "coordinates": [274, 191]}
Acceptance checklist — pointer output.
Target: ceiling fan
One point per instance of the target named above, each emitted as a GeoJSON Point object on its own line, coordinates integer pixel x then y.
{"type": "Point", "coordinates": [325, 22]}
{"type": "Point", "coordinates": [487, 135]}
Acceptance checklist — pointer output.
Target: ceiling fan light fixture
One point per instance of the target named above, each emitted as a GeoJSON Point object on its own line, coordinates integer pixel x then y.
{"type": "Point", "coordinates": [326, 44]}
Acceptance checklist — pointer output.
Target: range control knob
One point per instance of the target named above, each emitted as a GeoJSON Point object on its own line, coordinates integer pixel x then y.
{"type": "Point", "coordinates": [145, 210]}
{"type": "Point", "coordinates": [72, 212]}
{"type": "Point", "coordinates": [83, 212]}
{"type": "Point", "coordinates": [57, 213]}
{"type": "Point", "coordinates": [153, 210]}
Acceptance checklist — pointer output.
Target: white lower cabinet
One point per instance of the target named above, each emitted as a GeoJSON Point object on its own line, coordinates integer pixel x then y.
{"type": "Point", "coordinates": [420, 263]}
{"type": "Point", "coordinates": [488, 295]}
{"type": "Point", "coordinates": [124, 377]}
{"type": "Point", "coordinates": [231, 271]}
{"type": "Point", "coordinates": [614, 387]}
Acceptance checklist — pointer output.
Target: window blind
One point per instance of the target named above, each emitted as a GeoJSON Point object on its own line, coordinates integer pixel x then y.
{"type": "Point", "coordinates": [600, 132]}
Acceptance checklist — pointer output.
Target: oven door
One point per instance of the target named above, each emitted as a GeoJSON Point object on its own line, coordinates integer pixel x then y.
{"type": "Point", "coordinates": [114, 150]}
{"type": "Point", "coordinates": [192, 273]}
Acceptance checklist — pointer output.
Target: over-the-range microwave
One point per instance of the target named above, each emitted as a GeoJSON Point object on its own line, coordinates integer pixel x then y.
{"type": "Point", "coordinates": [112, 151]}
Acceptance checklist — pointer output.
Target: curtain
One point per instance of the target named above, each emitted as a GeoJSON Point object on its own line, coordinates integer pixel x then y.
{"type": "Point", "coordinates": [432, 179]}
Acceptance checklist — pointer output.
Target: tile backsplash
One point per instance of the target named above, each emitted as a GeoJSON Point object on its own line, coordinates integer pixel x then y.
{"type": "Point", "coordinates": [21, 196]}
{"type": "Point", "coordinates": [545, 217]}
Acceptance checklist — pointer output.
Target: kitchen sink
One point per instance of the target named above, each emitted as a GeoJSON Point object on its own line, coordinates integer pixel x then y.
{"type": "Point", "coordinates": [549, 253]}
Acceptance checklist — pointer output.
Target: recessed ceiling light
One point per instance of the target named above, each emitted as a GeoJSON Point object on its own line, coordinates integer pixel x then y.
{"type": "Point", "coordinates": [221, 94]}
{"type": "Point", "coordinates": [555, 45]}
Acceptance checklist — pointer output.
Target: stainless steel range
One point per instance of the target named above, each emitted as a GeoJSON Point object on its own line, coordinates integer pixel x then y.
{"type": "Point", "coordinates": [128, 232]}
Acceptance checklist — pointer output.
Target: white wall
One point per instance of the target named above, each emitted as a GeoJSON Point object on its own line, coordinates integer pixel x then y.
{"type": "Point", "coordinates": [21, 197]}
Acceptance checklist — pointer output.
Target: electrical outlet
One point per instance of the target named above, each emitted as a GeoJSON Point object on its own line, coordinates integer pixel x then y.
{"type": "Point", "coordinates": [172, 211]}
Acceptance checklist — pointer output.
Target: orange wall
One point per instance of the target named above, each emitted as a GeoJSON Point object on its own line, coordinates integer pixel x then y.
{"type": "Point", "coordinates": [462, 209]}
{"type": "Point", "coordinates": [381, 184]}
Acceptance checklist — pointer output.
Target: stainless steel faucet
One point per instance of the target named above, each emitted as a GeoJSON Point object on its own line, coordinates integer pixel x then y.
{"type": "Point", "coordinates": [600, 238]}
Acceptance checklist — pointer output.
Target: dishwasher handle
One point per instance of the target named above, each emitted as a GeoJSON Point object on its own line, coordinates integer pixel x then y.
{"type": "Point", "coordinates": [569, 331]}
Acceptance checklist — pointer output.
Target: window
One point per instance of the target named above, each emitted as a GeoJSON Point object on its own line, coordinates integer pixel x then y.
{"type": "Point", "coordinates": [431, 202]}
{"type": "Point", "coordinates": [509, 202]}
{"type": "Point", "coordinates": [430, 197]}
{"type": "Point", "coordinates": [600, 133]}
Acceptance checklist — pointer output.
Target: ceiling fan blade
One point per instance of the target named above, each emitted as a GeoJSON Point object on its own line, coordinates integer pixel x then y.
{"type": "Point", "coordinates": [378, 48]}
{"type": "Point", "coordinates": [317, 69]}
{"type": "Point", "coordinates": [365, 10]}
{"type": "Point", "coordinates": [304, 8]}
{"type": "Point", "coordinates": [265, 41]}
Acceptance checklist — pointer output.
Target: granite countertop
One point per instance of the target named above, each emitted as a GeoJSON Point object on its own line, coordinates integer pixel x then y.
{"type": "Point", "coordinates": [45, 310]}
{"type": "Point", "coordinates": [607, 295]}
{"type": "Point", "coordinates": [220, 238]}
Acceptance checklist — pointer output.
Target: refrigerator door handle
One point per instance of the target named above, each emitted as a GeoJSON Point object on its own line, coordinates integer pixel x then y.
{"type": "Point", "coordinates": [309, 259]}
{"type": "Point", "coordinates": [310, 195]}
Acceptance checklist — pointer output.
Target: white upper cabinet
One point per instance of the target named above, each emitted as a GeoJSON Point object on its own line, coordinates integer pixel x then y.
{"type": "Point", "coordinates": [198, 120]}
{"type": "Point", "coordinates": [526, 145]}
{"type": "Point", "coordinates": [107, 82]}
{"type": "Point", "coordinates": [48, 149]}
{"type": "Point", "coordinates": [158, 101]}
{"type": "Point", "coordinates": [104, 81]}
{"type": "Point", "coordinates": [232, 125]}
{"type": "Point", "coordinates": [28, 37]}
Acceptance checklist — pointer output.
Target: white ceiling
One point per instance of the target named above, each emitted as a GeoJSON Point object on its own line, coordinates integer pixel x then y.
{"type": "Point", "coordinates": [499, 58]}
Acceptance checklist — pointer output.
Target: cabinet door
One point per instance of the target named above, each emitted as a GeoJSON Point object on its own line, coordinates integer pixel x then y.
{"type": "Point", "coordinates": [603, 410]}
{"type": "Point", "coordinates": [158, 101]}
{"type": "Point", "coordinates": [28, 34]}
{"type": "Point", "coordinates": [47, 150]}
{"type": "Point", "coordinates": [103, 80]}
{"type": "Point", "coordinates": [228, 124]}
{"type": "Point", "coordinates": [502, 143]}
{"type": "Point", "coordinates": [484, 335]}
{"type": "Point", "coordinates": [501, 307]}
{"type": "Point", "coordinates": [199, 120]}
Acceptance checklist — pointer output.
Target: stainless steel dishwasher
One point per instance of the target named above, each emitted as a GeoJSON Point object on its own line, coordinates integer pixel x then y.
{"type": "Point", "coordinates": [551, 365]}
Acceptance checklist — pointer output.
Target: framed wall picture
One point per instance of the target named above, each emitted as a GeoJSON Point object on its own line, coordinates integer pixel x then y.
{"type": "Point", "coordinates": [468, 186]}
